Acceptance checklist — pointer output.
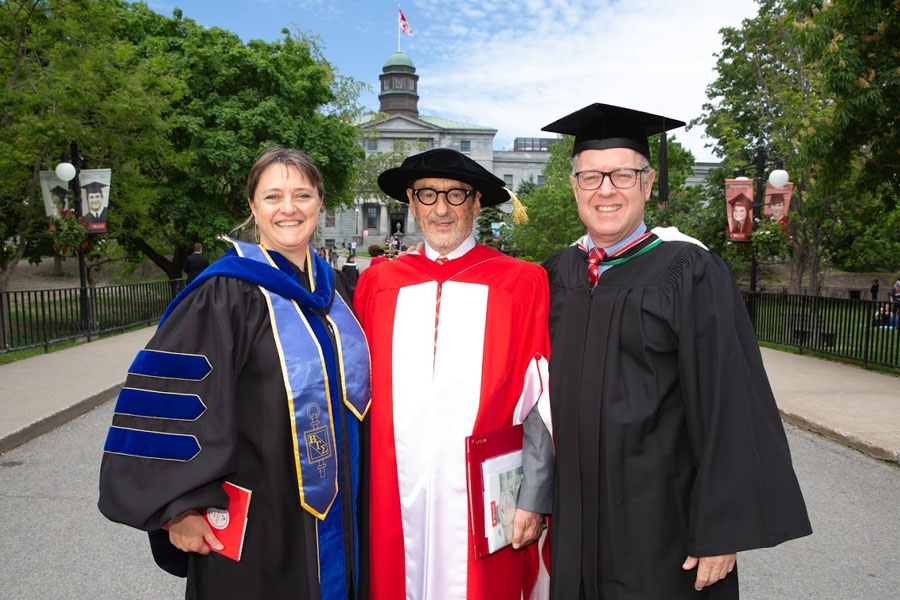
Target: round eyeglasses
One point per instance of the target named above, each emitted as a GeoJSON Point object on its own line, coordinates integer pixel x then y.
{"type": "Point", "coordinates": [620, 178]}
{"type": "Point", "coordinates": [455, 196]}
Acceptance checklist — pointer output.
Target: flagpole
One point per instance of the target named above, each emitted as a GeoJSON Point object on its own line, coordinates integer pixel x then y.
{"type": "Point", "coordinates": [398, 28]}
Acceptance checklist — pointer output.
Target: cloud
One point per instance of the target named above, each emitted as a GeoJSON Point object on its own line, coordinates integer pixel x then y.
{"type": "Point", "coordinates": [519, 66]}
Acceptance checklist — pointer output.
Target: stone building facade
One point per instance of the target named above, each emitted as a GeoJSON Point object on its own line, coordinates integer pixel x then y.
{"type": "Point", "coordinates": [399, 124]}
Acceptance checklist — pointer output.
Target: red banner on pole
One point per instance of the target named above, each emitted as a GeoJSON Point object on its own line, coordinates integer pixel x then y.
{"type": "Point", "coordinates": [777, 203]}
{"type": "Point", "coordinates": [739, 208]}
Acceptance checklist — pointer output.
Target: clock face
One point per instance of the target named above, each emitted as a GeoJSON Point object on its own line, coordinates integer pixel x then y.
{"type": "Point", "coordinates": [507, 508]}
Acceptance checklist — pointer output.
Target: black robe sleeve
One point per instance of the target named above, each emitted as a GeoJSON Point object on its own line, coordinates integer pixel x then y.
{"type": "Point", "coordinates": [745, 493]}
{"type": "Point", "coordinates": [219, 321]}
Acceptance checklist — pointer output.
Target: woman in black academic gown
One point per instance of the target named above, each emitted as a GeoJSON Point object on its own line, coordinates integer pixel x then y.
{"type": "Point", "coordinates": [258, 375]}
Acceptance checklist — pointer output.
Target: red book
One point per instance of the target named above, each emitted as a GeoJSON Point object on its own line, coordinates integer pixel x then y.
{"type": "Point", "coordinates": [229, 526]}
{"type": "Point", "coordinates": [493, 475]}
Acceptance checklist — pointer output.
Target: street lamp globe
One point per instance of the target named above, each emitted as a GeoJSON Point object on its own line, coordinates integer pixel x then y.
{"type": "Point", "coordinates": [65, 171]}
{"type": "Point", "coordinates": [778, 178]}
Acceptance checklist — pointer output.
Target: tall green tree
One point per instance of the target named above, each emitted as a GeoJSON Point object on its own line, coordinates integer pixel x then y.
{"type": "Point", "coordinates": [239, 99]}
{"type": "Point", "coordinates": [814, 83]}
{"type": "Point", "coordinates": [177, 111]}
{"type": "Point", "coordinates": [856, 46]}
{"type": "Point", "coordinates": [553, 221]}
{"type": "Point", "coordinates": [768, 95]}
{"type": "Point", "coordinates": [67, 76]}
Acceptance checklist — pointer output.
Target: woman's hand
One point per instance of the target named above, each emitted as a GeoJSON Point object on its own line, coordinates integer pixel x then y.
{"type": "Point", "coordinates": [190, 532]}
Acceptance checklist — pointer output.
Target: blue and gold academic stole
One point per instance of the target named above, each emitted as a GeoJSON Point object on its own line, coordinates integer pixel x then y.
{"type": "Point", "coordinates": [307, 360]}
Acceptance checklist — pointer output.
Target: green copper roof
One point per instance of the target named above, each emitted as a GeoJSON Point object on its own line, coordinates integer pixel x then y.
{"type": "Point", "coordinates": [448, 124]}
{"type": "Point", "coordinates": [398, 59]}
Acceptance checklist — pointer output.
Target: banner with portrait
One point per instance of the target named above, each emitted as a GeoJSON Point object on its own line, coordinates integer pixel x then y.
{"type": "Point", "coordinates": [95, 198]}
{"type": "Point", "coordinates": [739, 208]}
{"type": "Point", "coordinates": [777, 203]}
{"type": "Point", "coordinates": [55, 193]}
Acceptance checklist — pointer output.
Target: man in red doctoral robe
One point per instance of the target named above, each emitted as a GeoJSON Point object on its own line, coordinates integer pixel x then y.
{"type": "Point", "coordinates": [459, 342]}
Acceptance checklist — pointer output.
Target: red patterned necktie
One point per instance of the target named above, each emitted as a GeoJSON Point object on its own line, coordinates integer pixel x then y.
{"type": "Point", "coordinates": [595, 257]}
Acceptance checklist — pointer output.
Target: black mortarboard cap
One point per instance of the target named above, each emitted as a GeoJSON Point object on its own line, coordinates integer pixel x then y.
{"type": "Point", "coordinates": [448, 163]}
{"type": "Point", "coordinates": [59, 191]}
{"type": "Point", "coordinates": [601, 126]}
{"type": "Point", "coordinates": [94, 187]}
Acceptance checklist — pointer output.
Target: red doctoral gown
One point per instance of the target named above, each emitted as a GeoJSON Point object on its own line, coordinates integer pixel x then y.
{"type": "Point", "coordinates": [432, 388]}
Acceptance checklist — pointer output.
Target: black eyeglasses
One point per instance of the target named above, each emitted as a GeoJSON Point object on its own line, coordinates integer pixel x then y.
{"type": "Point", "coordinates": [620, 178]}
{"type": "Point", "coordinates": [455, 196]}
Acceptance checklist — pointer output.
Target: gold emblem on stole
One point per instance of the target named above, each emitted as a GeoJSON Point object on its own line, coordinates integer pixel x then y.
{"type": "Point", "coordinates": [318, 450]}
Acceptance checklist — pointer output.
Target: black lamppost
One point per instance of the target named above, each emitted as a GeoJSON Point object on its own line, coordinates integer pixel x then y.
{"type": "Point", "coordinates": [67, 171]}
{"type": "Point", "coordinates": [778, 177]}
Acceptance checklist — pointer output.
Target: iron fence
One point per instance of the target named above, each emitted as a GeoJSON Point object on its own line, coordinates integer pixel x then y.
{"type": "Point", "coordinates": [31, 319]}
{"type": "Point", "coordinates": [861, 330]}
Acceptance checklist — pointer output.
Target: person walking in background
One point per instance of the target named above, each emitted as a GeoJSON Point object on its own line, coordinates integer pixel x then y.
{"type": "Point", "coordinates": [458, 336]}
{"type": "Point", "coordinates": [874, 290]}
{"type": "Point", "coordinates": [670, 453]}
{"type": "Point", "coordinates": [195, 263]}
{"type": "Point", "coordinates": [351, 271]}
{"type": "Point", "coordinates": [895, 297]}
{"type": "Point", "coordinates": [258, 375]}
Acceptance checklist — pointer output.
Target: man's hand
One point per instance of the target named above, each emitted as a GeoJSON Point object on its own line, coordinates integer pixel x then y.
{"type": "Point", "coordinates": [711, 568]}
{"type": "Point", "coordinates": [190, 532]}
{"type": "Point", "coordinates": [527, 527]}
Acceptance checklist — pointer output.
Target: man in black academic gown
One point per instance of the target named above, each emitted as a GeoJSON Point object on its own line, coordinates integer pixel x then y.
{"type": "Point", "coordinates": [671, 456]}
{"type": "Point", "coordinates": [195, 263]}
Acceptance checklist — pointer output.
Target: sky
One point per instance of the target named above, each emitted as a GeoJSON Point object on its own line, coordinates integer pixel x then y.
{"type": "Point", "coordinates": [513, 65]}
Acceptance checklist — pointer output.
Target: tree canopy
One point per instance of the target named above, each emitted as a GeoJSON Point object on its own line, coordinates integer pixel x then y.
{"type": "Point", "coordinates": [179, 113]}
{"type": "Point", "coordinates": [814, 84]}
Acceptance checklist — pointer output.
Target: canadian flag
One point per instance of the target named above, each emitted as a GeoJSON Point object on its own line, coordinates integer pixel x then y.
{"type": "Point", "coordinates": [404, 24]}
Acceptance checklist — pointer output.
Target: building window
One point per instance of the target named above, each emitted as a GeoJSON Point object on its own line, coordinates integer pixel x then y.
{"type": "Point", "coordinates": [533, 144]}
{"type": "Point", "coordinates": [372, 216]}
{"type": "Point", "coordinates": [329, 217]}
{"type": "Point", "coordinates": [508, 180]}
{"type": "Point", "coordinates": [372, 145]}
{"type": "Point", "coordinates": [398, 83]}
{"type": "Point", "coordinates": [540, 180]}
{"type": "Point", "coordinates": [465, 146]}
{"type": "Point", "coordinates": [386, 83]}
{"type": "Point", "coordinates": [412, 85]}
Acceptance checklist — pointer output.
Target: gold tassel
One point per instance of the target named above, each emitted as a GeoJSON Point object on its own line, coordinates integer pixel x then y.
{"type": "Point", "coordinates": [519, 212]}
